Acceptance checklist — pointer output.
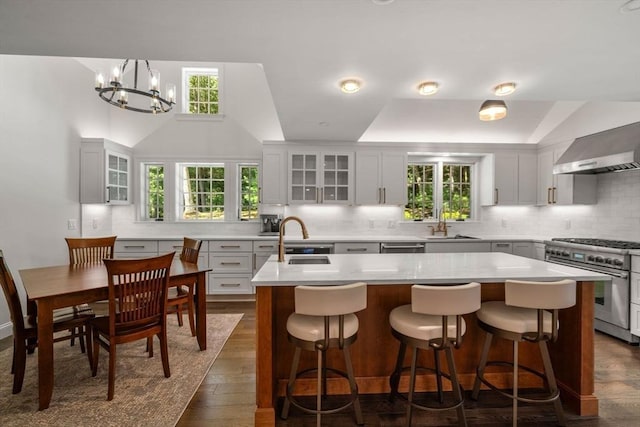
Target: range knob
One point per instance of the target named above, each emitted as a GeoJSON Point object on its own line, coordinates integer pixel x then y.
{"type": "Point", "coordinates": [565, 253]}
{"type": "Point", "coordinates": [599, 259]}
{"type": "Point", "coordinates": [608, 260]}
{"type": "Point", "coordinates": [617, 262]}
{"type": "Point", "coordinates": [591, 258]}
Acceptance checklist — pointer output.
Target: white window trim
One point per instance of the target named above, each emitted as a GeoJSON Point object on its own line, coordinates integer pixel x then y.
{"type": "Point", "coordinates": [217, 69]}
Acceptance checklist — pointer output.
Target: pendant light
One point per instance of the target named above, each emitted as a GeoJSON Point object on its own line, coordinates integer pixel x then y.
{"type": "Point", "coordinates": [492, 110]}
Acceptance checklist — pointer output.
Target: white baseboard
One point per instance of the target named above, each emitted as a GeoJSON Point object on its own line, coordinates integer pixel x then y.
{"type": "Point", "coordinates": [6, 330]}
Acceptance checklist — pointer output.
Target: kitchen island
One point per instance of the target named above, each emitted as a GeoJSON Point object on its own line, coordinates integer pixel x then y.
{"type": "Point", "coordinates": [390, 277]}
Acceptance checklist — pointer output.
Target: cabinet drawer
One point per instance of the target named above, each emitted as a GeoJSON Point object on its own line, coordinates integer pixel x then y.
{"type": "Point", "coordinates": [133, 255]}
{"type": "Point", "coordinates": [230, 246]}
{"type": "Point", "coordinates": [357, 248]}
{"type": "Point", "coordinates": [231, 263]}
{"type": "Point", "coordinates": [635, 288]}
{"type": "Point", "coordinates": [229, 284]}
{"type": "Point", "coordinates": [502, 247]}
{"type": "Point", "coordinates": [269, 247]}
{"type": "Point", "coordinates": [150, 246]}
{"type": "Point", "coordinates": [166, 246]}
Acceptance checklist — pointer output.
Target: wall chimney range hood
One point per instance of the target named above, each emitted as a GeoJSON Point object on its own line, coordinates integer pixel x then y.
{"type": "Point", "coordinates": [612, 150]}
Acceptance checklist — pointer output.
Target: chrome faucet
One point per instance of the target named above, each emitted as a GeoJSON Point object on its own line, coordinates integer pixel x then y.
{"type": "Point", "coordinates": [305, 235]}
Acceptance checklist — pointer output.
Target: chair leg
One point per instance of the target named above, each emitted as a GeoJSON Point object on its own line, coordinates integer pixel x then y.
{"type": "Point", "coordinates": [551, 380]}
{"type": "Point", "coordinates": [80, 335]}
{"type": "Point", "coordinates": [292, 378]}
{"type": "Point", "coordinates": [179, 314]}
{"type": "Point", "coordinates": [412, 384]}
{"type": "Point", "coordinates": [353, 386]}
{"type": "Point", "coordinates": [96, 352]}
{"type": "Point", "coordinates": [436, 358]}
{"type": "Point", "coordinates": [88, 341]}
{"type": "Point", "coordinates": [150, 346]}
{"type": "Point", "coordinates": [457, 393]}
{"type": "Point", "coordinates": [164, 352]}
{"type": "Point", "coordinates": [73, 333]}
{"type": "Point", "coordinates": [394, 379]}
{"type": "Point", "coordinates": [482, 365]}
{"type": "Point", "coordinates": [320, 381]}
{"type": "Point", "coordinates": [191, 309]}
{"type": "Point", "coordinates": [112, 369]}
{"type": "Point", "coordinates": [19, 363]}
{"type": "Point", "coordinates": [515, 384]}
{"type": "Point", "coordinates": [13, 358]}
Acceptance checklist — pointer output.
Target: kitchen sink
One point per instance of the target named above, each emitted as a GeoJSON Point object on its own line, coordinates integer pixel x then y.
{"type": "Point", "coordinates": [309, 260]}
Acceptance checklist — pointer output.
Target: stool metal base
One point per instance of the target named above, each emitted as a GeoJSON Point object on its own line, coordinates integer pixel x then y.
{"type": "Point", "coordinates": [553, 395]}
{"type": "Point", "coordinates": [394, 379]}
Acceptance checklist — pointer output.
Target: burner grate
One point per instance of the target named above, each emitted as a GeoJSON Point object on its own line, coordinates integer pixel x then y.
{"type": "Point", "coordinates": [616, 244]}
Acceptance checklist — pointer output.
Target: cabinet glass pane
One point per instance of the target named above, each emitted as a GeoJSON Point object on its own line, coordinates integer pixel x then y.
{"type": "Point", "coordinates": [310, 178]}
{"type": "Point", "coordinates": [343, 178]}
{"type": "Point", "coordinates": [297, 161]}
{"type": "Point", "coordinates": [310, 161]}
{"type": "Point", "coordinates": [113, 193]}
{"type": "Point", "coordinates": [310, 193]}
{"type": "Point", "coordinates": [342, 193]}
{"type": "Point", "coordinates": [329, 193]}
{"type": "Point", "coordinates": [122, 179]}
{"type": "Point", "coordinates": [329, 162]}
{"type": "Point", "coordinates": [113, 162]}
{"type": "Point", "coordinates": [113, 177]}
{"type": "Point", "coordinates": [343, 162]}
{"type": "Point", "coordinates": [297, 193]}
{"type": "Point", "coordinates": [122, 194]}
{"type": "Point", "coordinates": [122, 164]}
{"type": "Point", "coordinates": [297, 178]}
{"type": "Point", "coordinates": [329, 178]}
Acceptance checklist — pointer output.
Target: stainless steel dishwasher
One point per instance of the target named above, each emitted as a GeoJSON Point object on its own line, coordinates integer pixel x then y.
{"type": "Point", "coordinates": [402, 248]}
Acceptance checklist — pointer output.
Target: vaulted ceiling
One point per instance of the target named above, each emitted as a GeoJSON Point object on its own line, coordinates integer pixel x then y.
{"type": "Point", "coordinates": [562, 54]}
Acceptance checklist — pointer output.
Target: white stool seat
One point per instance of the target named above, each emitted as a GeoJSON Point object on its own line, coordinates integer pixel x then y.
{"type": "Point", "coordinates": [422, 326]}
{"type": "Point", "coordinates": [515, 319]}
{"type": "Point", "coordinates": [311, 328]}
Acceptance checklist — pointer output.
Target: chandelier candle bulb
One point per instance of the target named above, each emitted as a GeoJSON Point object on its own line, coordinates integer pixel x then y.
{"type": "Point", "coordinates": [116, 77]}
{"type": "Point", "coordinates": [154, 81]}
{"type": "Point", "coordinates": [171, 93]}
{"type": "Point", "coordinates": [99, 80]}
{"type": "Point", "coordinates": [122, 97]}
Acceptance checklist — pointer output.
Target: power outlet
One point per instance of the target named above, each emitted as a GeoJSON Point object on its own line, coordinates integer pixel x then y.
{"type": "Point", "coordinates": [95, 224]}
{"type": "Point", "coordinates": [391, 224]}
{"type": "Point", "coordinates": [72, 224]}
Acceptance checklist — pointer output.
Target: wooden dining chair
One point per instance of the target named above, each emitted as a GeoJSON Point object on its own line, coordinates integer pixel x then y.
{"type": "Point", "coordinates": [89, 250]}
{"type": "Point", "coordinates": [137, 309]}
{"type": "Point", "coordinates": [181, 295]}
{"type": "Point", "coordinates": [25, 329]}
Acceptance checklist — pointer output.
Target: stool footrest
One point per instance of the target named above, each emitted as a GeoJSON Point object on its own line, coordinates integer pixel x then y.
{"type": "Point", "coordinates": [396, 393]}
{"type": "Point", "coordinates": [552, 396]}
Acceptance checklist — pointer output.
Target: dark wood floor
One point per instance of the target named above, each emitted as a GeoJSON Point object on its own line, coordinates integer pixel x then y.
{"type": "Point", "coordinates": [226, 398]}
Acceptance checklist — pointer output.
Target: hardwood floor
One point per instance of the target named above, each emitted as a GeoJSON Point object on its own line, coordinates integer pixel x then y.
{"type": "Point", "coordinates": [226, 397]}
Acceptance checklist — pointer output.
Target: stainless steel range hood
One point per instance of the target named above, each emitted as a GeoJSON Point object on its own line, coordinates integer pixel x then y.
{"type": "Point", "coordinates": [608, 151]}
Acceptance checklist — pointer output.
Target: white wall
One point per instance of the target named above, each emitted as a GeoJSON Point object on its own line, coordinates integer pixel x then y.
{"type": "Point", "coordinates": [48, 103]}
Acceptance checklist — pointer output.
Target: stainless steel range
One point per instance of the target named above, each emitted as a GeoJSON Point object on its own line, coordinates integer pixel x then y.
{"type": "Point", "coordinates": [611, 257]}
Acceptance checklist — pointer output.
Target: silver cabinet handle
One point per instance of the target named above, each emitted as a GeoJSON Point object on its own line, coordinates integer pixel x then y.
{"type": "Point", "coordinates": [502, 245]}
{"type": "Point", "coordinates": [229, 263]}
{"type": "Point", "coordinates": [230, 285]}
{"type": "Point", "coordinates": [384, 195]}
{"type": "Point", "coordinates": [495, 197]}
{"type": "Point", "coordinates": [356, 249]}
{"type": "Point", "coordinates": [549, 196]}
{"type": "Point", "coordinates": [134, 246]}
{"type": "Point", "coordinates": [230, 246]}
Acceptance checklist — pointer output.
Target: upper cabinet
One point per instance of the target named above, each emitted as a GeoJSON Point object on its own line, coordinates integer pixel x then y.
{"type": "Point", "coordinates": [273, 176]}
{"type": "Point", "coordinates": [563, 189]}
{"type": "Point", "coordinates": [105, 172]}
{"type": "Point", "coordinates": [381, 178]}
{"type": "Point", "coordinates": [320, 177]}
{"type": "Point", "coordinates": [509, 179]}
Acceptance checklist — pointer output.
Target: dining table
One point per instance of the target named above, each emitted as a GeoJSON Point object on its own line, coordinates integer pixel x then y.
{"type": "Point", "coordinates": [67, 285]}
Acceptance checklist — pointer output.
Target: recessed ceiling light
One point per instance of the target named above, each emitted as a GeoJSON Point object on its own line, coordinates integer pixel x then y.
{"type": "Point", "coordinates": [427, 88]}
{"type": "Point", "coordinates": [492, 110]}
{"type": "Point", "coordinates": [504, 89]}
{"type": "Point", "coordinates": [350, 85]}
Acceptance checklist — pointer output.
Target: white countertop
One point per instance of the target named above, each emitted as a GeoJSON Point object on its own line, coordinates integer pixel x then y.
{"type": "Point", "coordinates": [435, 268]}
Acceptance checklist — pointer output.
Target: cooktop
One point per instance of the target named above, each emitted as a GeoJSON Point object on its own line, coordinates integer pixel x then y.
{"type": "Point", "coordinates": [616, 244]}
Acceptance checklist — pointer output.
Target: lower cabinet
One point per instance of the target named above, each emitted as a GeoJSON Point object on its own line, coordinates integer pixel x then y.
{"type": "Point", "coordinates": [635, 295]}
{"type": "Point", "coordinates": [135, 248]}
{"type": "Point", "coordinates": [445, 247]}
{"type": "Point", "coordinates": [262, 250]}
{"type": "Point", "coordinates": [231, 264]}
{"type": "Point", "coordinates": [356, 248]}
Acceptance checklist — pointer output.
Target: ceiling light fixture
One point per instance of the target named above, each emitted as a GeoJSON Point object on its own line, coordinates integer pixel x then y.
{"type": "Point", "coordinates": [428, 88]}
{"type": "Point", "coordinates": [350, 86]}
{"type": "Point", "coordinates": [132, 98]}
{"type": "Point", "coordinates": [504, 89]}
{"type": "Point", "coordinates": [492, 110]}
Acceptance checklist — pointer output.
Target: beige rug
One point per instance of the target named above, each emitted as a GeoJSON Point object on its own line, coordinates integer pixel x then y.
{"type": "Point", "coordinates": [143, 396]}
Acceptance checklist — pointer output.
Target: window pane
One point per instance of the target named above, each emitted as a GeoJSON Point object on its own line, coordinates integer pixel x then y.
{"type": "Point", "coordinates": [420, 203]}
{"type": "Point", "coordinates": [202, 192]}
{"type": "Point", "coordinates": [248, 192]}
{"type": "Point", "coordinates": [202, 86]}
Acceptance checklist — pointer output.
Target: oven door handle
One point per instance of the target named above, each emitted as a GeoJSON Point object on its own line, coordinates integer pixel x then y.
{"type": "Point", "coordinates": [621, 275]}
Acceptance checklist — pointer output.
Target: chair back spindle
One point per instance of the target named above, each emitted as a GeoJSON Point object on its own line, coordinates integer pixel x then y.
{"type": "Point", "coordinates": [90, 250]}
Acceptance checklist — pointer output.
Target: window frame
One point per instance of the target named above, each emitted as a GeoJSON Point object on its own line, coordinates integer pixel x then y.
{"type": "Point", "coordinates": [240, 193]}
{"type": "Point", "coordinates": [145, 185]}
{"type": "Point", "coordinates": [180, 206]}
{"type": "Point", "coordinates": [190, 71]}
{"type": "Point", "coordinates": [438, 183]}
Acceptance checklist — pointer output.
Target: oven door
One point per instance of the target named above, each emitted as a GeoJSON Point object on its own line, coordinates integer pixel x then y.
{"type": "Point", "coordinates": [612, 300]}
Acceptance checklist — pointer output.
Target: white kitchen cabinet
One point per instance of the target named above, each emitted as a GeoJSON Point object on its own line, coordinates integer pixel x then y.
{"type": "Point", "coordinates": [273, 176]}
{"type": "Point", "coordinates": [512, 179]}
{"type": "Point", "coordinates": [231, 263]}
{"type": "Point", "coordinates": [563, 189]}
{"type": "Point", "coordinates": [105, 172]}
{"type": "Point", "coordinates": [381, 178]}
{"type": "Point", "coordinates": [166, 246]}
{"type": "Point", "coordinates": [445, 247]}
{"type": "Point", "coordinates": [524, 249]}
{"type": "Point", "coordinates": [356, 248]}
{"type": "Point", "coordinates": [320, 178]}
{"type": "Point", "coordinates": [262, 250]}
{"type": "Point", "coordinates": [538, 251]}
{"type": "Point", "coordinates": [635, 295]}
{"type": "Point", "coordinates": [506, 247]}
{"type": "Point", "coordinates": [135, 248]}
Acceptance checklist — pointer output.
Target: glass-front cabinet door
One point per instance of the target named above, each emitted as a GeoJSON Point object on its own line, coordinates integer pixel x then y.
{"type": "Point", "coordinates": [319, 178]}
{"type": "Point", "coordinates": [117, 178]}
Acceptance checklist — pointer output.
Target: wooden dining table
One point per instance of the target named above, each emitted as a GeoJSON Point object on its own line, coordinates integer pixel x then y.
{"type": "Point", "coordinates": [68, 285]}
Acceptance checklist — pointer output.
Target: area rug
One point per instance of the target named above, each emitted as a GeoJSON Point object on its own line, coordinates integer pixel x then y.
{"type": "Point", "coordinates": [143, 396]}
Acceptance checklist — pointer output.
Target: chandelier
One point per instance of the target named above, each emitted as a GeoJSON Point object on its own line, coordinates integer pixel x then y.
{"type": "Point", "coordinates": [134, 99]}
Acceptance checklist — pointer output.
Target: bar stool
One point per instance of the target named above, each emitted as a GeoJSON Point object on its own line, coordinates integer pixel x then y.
{"type": "Point", "coordinates": [433, 321]}
{"type": "Point", "coordinates": [324, 318]}
{"type": "Point", "coordinates": [523, 316]}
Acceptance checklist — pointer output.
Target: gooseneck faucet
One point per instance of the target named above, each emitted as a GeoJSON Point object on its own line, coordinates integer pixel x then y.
{"type": "Point", "coordinates": [305, 235]}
